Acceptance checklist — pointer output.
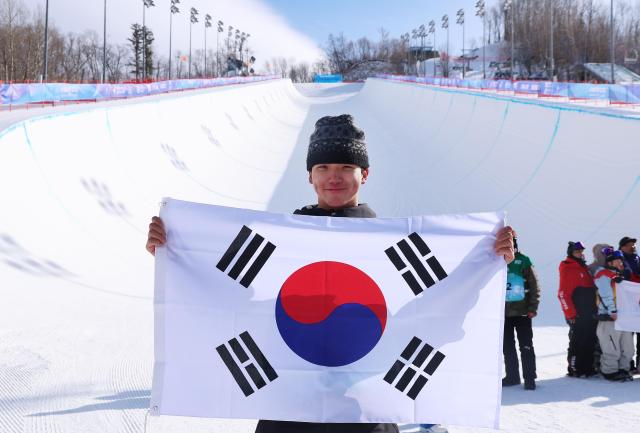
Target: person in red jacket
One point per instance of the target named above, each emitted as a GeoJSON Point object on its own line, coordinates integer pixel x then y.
{"type": "Point", "coordinates": [577, 295]}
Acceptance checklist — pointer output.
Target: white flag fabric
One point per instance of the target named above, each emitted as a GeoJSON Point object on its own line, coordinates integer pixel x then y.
{"type": "Point", "coordinates": [628, 305]}
{"type": "Point", "coordinates": [318, 319]}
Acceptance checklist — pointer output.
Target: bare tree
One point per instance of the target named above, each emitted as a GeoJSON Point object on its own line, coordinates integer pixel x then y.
{"type": "Point", "coordinates": [12, 17]}
{"type": "Point", "coordinates": [282, 66]}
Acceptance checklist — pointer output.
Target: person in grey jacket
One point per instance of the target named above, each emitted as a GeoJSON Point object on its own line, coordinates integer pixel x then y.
{"type": "Point", "coordinates": [617, 346]}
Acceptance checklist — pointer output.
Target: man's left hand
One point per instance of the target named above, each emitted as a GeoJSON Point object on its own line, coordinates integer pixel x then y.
{"type": "Point", "coordinates": [504, 244]}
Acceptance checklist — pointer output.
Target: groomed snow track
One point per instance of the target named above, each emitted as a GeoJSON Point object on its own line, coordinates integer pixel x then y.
{"type": "Point", "coordinates": [78, 189]}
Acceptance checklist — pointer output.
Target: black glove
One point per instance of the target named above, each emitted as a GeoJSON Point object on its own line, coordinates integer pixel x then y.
{"type": "Point", "coordinates": [618, 279]}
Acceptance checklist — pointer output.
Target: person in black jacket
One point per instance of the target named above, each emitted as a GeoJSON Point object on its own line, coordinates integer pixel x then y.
{"type": "Point", "coordinates": [338, 165]}
{"type": "Point", "coordinates": [521, 306]}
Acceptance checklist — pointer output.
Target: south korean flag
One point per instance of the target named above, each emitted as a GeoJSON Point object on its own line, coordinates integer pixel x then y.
{"type": "Point", "coordinates": [318, 319]}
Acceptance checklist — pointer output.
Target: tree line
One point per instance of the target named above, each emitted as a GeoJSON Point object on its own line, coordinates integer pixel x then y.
{"type": "Point", "coordinates": [73, 57]}
{"type": "Point", "coordinates": [581, 33]}
{"type": "Point", "coordinates": [581, 30]}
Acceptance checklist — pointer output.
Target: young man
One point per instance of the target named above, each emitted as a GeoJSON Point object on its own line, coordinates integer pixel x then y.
{"type": "Point", "coordinates": [577, 295]}
{"type": "Point", "coordinates": [521, 306]}
{"type": "Point", "coordinates": [338, 165]}
{"type": "Point", "coordinates": [617, 346]}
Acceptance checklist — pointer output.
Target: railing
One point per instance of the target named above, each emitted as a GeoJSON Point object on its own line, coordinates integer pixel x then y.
{"type": "Point", "coordinates": [25, 95]}
{"type": "Point", "coordinates": [612, 94]}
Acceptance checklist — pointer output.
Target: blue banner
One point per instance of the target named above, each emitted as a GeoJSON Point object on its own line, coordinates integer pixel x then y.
{"type": "Point", "coordinates": [614, 94]}
{"type": "Point", "coordinates": [619, 94]}
{"type": "Point", "coordinates": [505, 86]}
{"type": "Point", "coordinates": [549, 88]}
{"type": "Point", "coordinates": [527, 87]}
{"type": "Point", "coordinates": [335, 78]}
{"type": "Point", "coordinates": [21, 94]}
{"type": "Point", "coordinates": [589, 91]}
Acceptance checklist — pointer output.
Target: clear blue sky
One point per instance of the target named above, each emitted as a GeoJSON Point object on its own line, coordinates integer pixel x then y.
{"type": "Point", "coordinates": [356, 18]}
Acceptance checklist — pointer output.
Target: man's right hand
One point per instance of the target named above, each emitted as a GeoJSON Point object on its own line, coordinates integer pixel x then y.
{"type": "Point", "coordinates": [614, 316]}
{"type": "Point", "coordinates": [157, 236]}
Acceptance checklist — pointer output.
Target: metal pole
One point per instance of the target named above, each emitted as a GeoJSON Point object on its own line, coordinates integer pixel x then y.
{"type": "Point", "coordinates": [513, 51]}
{"type": "Point", "coordinates": [46, 41]}
{"type": "Point", "coordinates": [205, 51]}
{"type": "Point", "coordinates": [217, 54]}
{"type": "Point", "coordinates": [410, 69]}
{"type": "Point", "coordinates": [144, 44]}
{"type": "Point", "coordinates": [551, 48]}
{"type": "Point", "coordinates": [422, 54]}
{"type": "Point", "coordinates": [190, 28]}
{"type": "Point", "coordinates": [613, 54]}
{"type": "Point", "coordinates": [484, 45]}
{"type": "Point", "coordinates": [104, 44]}
{"type": "Point", "coordinates": [464, 62]}
{"type": "Point", "coordinates": [448, 56]}
{"type": "Point", "coordinates": [435, 59]}
{"type": "Point", "coordinates": [170, 29]}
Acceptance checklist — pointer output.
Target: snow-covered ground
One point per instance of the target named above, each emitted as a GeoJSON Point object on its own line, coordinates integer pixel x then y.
{"type": "Point", "coordinates": [78, 189]}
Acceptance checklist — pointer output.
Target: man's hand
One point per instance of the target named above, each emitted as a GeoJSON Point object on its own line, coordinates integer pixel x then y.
{"type": "Point", "coordinates": [614, 316]}
{"type": "Point", "coordinates": [531, 314]}
{"type": "Point", "coordinates": [504, 244]}
{"type": "Point", "coordinates": [157, 236]}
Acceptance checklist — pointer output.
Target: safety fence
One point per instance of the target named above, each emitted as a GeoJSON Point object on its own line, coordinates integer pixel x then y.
{"type": "Point", "coordinates": [20, 95]}
{"type": "Point", "coordinates": [612, 94]}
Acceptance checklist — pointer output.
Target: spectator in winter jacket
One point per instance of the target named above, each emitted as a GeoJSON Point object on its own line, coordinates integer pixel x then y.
{"type": "Point", "coordinates": [631, 272]}
{"type": "Point", "coordinates": [338, 165]}
{"type": "Point", "coordinates": [522, 299]}
{"type": "Point", "coordinates": [577, 295]}
{"type": "Point", "coordinates": [617, 346]}
{"type": "Point", "coordinates": [598, 258]}
{"type": "Point", "coordinates": [631, 263]}
{"type": "Point", "coordinates": [597, 263]}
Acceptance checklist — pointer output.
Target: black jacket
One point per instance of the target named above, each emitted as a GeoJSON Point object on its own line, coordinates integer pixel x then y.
{"type": "Point", "coordinates": [361, 211]}
{"type": "Point", "coordinates": [265, 426]}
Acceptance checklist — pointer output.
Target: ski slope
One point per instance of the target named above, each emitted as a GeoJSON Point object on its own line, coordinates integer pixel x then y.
{"type": "Point", "coordinates": [78, 187]}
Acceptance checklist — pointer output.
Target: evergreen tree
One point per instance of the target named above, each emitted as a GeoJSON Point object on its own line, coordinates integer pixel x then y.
{"type": "Point", "coordinates": [136, 47]}
{"type": "Point", "coordinates": [149, 53]}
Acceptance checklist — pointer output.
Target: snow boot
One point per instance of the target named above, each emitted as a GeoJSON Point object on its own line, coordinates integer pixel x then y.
{"type": "Point", "coordinates": [510, 381]}
{"type": "Point", "coordinates": [625, 376]}
{"type": "Point", "coordinates": [530, 384]}
{"type": "Point", "coordinates": [613, 377]}
{"type": "Point", "coordinates": [588, 373]}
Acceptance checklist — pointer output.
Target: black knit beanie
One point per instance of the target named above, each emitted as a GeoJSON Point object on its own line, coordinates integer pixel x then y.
{"type": "Point", "coordinates": [336, 140]}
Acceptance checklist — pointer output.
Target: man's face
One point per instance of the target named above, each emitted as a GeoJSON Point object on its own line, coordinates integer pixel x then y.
{"type": "Point", "coordinates": [629, 248]}
{"type": "Point", "coordinates": [617, 263]}
{"type": "Point", "coordinates": [578, 254]}
{"type": "Point", "coordinates": [337, 185]}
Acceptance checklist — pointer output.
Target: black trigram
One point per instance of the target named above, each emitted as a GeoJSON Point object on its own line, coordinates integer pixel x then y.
{"type": "Point", "coordinates": [416, 263]}
{"type": "Point", "coordinates": [413, 369]}
{"type": "Point", "coordinates": [246, 256]}
{"type": "Point", "coordinates": [247, 362]}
